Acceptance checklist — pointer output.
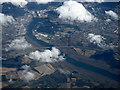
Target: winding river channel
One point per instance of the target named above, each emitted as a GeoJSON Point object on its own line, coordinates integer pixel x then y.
{"type": "Point", "coordinates": [71, 60]}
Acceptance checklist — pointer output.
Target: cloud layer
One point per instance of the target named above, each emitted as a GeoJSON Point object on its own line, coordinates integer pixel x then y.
{"type": "Point", "coordinates": [19, 44]}
{"type": "Point", "coordinates": [4, 19]}
{"type": "Point", "coordinates": [20, 3]}
{"type": "Point", "coordinates": [112, 14]}
{"type": "Point", "coordinates": [96, 39]}
{"type": "Point", "coordinates": [99, 41]}
{"type": "Point", "coordinates": [25, 67]}
{"type": "Point", "coordinates": [72, 10]}
{"type": "Point", "coordinates": [27, 76]}
{"type": "Point", "coordinates": [47, 56]}
{"type": "Point", "coordinates": [41, 1]}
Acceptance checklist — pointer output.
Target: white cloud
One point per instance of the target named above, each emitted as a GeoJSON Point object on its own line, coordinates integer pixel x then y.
{"type": "Point", "coordinates": [108, 20]}
{"type": "Point", "coordinates": [96, 39]}
{"type": "Point", "coordinates": [99, 41]}
{"type": "Point", "coordinates": [41, 1]}
{"type": "Point", "coordinates": [4, 19]}
{"type": "Point", "coordinates": [112, 14]}
{"type": "Point", "coordinates": [72, 10]}
{"type": "Point", "coordinates": [47, 56]}
{"type": "Point", "coordinates": [61, 70]}
{"type": "Point", "coordinates": [26, 67]}
{"type": "Point", "coordinates": [20, 3]}
{"type": "Point", "coordinates": [19, 43]}
{"type": "Point", "coordinates": [27, 76]}
{"type": "Point", "coordinates": [11, 80]}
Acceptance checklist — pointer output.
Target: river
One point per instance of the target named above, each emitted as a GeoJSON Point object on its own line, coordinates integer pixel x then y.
{"type": "Point", "coordinates": [71, 60]}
